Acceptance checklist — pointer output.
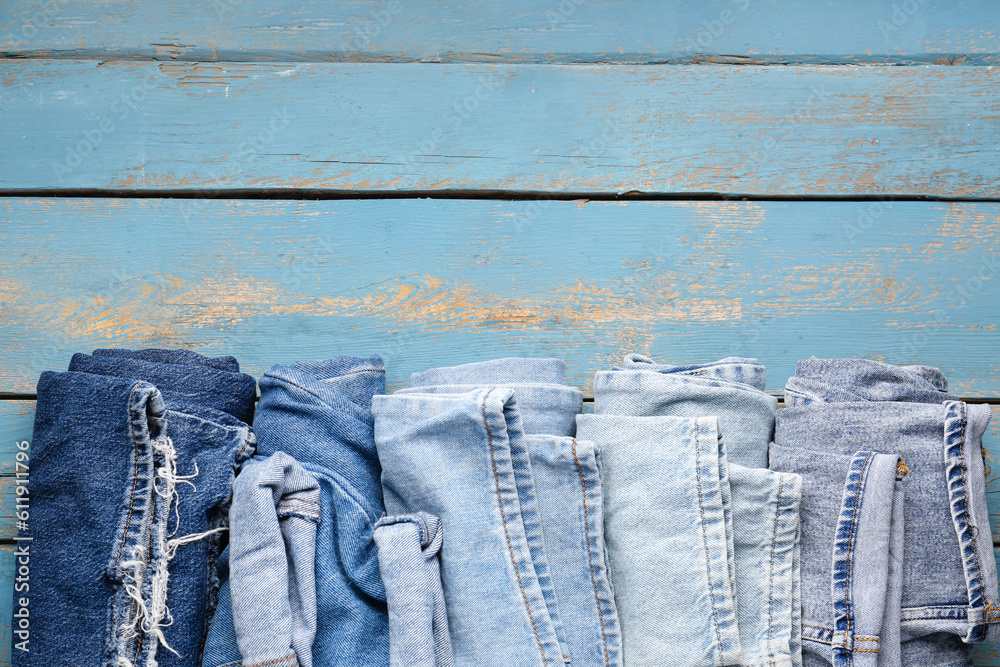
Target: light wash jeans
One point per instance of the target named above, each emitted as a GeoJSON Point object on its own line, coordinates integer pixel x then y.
{"type": "Point", "coordinates": [928, 558]}
{"type": "Point", "coordinates": [714, 580]}
{"type": "Point", "coordinates": [489, 448]}
{"type": "Point", "coordinates": [408, 548]}
{"type": "Point", "coordinates": [267, 612]}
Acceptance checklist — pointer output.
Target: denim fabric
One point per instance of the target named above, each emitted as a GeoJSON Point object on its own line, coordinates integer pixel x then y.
{"type": "Point", "coordinates": [457, 457]}
{"type": "Point", "coordinates": [319, 413]}
{"type": "Point", "coordinates": [731, 389]}
{"type": "Point", "coordinates": [747, 516]}
{"type": "Point", "coordinates": [123, 556]}
{"type": "Point", "coordinates": [669, 539]}
{"type": "Point", "coordinates": [268, 612]}
{"type": "Point", "coordinates": [408, 548]}
{"type": "Point", "coordinates": [560, 496]}
{"type": "Point", "coordinates": [840, 412]}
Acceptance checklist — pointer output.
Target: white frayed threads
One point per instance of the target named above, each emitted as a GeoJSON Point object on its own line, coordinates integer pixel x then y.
{"type": "Point", "coordinates": [150, 615]}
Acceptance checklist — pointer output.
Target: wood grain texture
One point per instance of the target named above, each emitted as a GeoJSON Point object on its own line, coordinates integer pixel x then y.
{"type": "Point", "coordinates": [590, 129]}
{"type": "Point", "coordinates": [7, 569]}
{"type": "Point", "coordinates": [519, 31]}
{"type": "Point", "coordinates": [437, 282]}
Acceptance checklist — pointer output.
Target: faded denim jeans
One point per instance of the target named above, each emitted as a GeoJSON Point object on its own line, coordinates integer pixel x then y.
{"type": "Point", "coordinates": [489, 448]}
{"type": "Point", "coordinates": [713, 580]}
{"type": "Point", "coordinates": [319, 414]}
{"type": "Point", "coordinates": [889, 448]}
{"type": "Point", "coordinates": [267, 609]}
{"type": "Point", "coordinates": [408, 556]}
{"type": "Point", "coordinates": [123, 556]}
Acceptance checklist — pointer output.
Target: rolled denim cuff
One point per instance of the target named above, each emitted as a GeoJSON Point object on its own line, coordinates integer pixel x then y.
{"type": "Point", "coordinates": [275, 513]}
{"type": "Point", "coordinates": [318, 412]}
{"type": "Point", "coordinates": [408, 548]}
{"type": "Point", "coordinates": [669, 538]}
{"type": "Point", "coordinates": [861, 561]}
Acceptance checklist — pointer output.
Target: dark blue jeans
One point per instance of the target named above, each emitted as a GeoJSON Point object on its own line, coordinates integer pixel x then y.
{"type": "Point", "coordinates": [132, 463]}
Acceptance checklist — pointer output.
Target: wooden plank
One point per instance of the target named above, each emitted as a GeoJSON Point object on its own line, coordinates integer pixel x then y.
{"type": "Point", "coordinates": [519, 31]}
{"type": "Point", "coordinates": [589, 129]}
{"type": "Point", "coordinates": [436, 282]}
{"type": "Point", "coordinates": [7, 568]}
{"type": "Point", "coordinates": [16, 421]}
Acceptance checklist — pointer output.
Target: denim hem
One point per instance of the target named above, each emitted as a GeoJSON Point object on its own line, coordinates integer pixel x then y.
{"type": "Point", "coordinates": [861, 569]}
{"type": "Point", "coordinates": [137, 560]}
{"type": "Point", "coordinates": [717, 544]}
{"type": "Point", "coordinates": [593, 498]}
{"type": "Point", "coordinates": [966, 493]}
{"type": "Point", "coordinates": [531, 517]}
{"type": "Point", "coordinates": [782, 590]}
{"type": "Point", "coordinates": [497, 406]}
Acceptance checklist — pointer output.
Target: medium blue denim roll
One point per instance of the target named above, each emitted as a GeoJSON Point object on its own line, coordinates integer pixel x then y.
{"type": "Point", "coordinates": [408, 548]}
{"type": "Point", "coordinates": [510, 420]}
{"type": "Point", "coordinates": [267, 609]}
{"type": "Point", "coordinates": [124, 555]}
{"type": "Point", "coordinates": [730, 528]}
{"type": "Point", "coordinates": [940, 587]}
{"type": "Point", "coordinates": [319, 413]}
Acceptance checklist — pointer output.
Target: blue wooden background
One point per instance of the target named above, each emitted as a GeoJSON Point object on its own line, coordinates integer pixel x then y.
{"type": "Point", "coordinates": [443, 182]}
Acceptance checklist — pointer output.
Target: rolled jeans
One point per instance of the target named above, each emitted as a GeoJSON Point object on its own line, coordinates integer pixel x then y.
{"type": "Point", "coordinates": [267, 607]}
{"type": "Point", "coordinates": [408, 556]}
{"type": "Point", "coordinates": [488, 448]}
{"type": "Point", "coordinates": [319, 414]}
{"type": "Point", "coordinates": [132, 463]}
{"type": "Point", "coordinates": [730, 547]}
{"type": "Point", "coordinates": [940, 581]}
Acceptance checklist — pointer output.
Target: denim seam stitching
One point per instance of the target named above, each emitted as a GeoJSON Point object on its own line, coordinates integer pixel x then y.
{"type": "Point", "coordinates": [850, 547]}
{"type": "Point", "coordinates": [850, 554]}
{"type": "Point", "coordinates": [271, 662]}
{"type": "Point", "coordinates": [965, 500]}
{"type": "Point", "coordinates": [245, 444]}
{"type": "Point", "coordinates": [503, 519]}
{"type": "Point", "coordinates": [850, 541]}
{"type": "Point", "coordinates": [774, 541]}
{"type": "Point", "coordinates": [135, 478]}
{"type": "Point", "coordinates": [590, 557]}
{"type": "Point", "coordinates": [704, 537]}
